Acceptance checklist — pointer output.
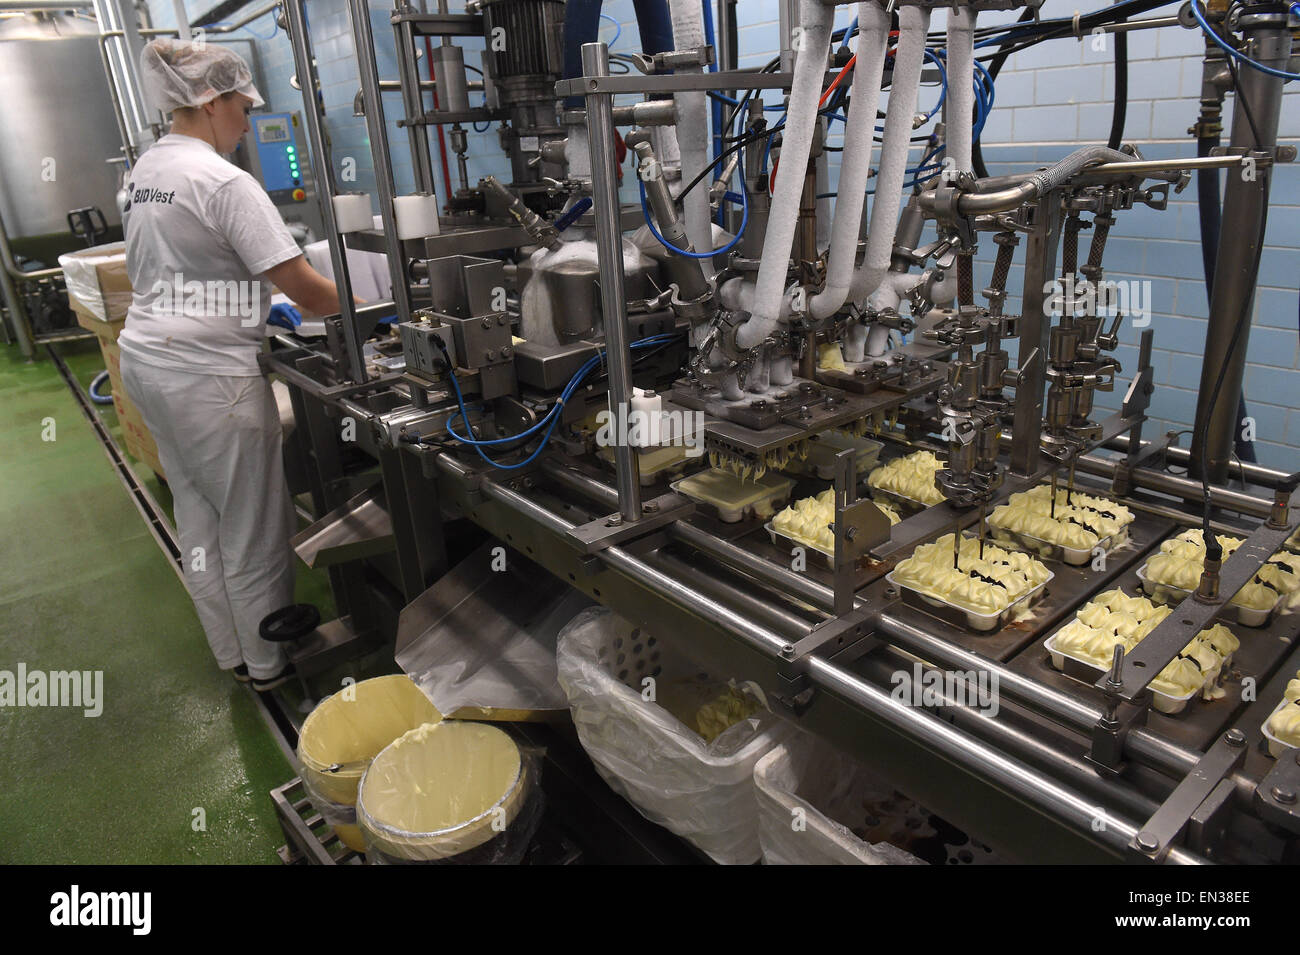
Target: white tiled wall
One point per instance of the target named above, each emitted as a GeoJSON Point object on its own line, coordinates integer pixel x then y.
{"type": "Point", "coordinates": [1049, 97]}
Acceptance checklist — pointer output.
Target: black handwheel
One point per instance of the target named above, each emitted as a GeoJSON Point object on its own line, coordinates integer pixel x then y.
{"type": "Point", "coordinates": [289, 623]}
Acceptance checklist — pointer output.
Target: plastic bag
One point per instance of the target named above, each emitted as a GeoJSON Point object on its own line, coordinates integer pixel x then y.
{"type": "Point", "coordinates": [704, 792]}
{"type": "Point", "coordinates": [797, 784]}
{"type": "Point", "coordinates": [452, 792]}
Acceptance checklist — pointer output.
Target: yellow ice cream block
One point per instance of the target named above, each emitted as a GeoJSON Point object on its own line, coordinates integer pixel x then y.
{"type": "Point", "coordinates": [734, 497]}
{"type": "Point", "coordinates": [442, 789]}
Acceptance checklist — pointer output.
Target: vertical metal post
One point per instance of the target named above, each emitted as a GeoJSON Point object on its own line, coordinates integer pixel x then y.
{"type": "Point", "coordinates": [609, 248]}
{"type": "Point", "coordinates": [408, 74]}
{"type": "Point", "coordinates": [1235, 271]}
{"type": "Point", "coordinates": [305, 68]}
{"type": "Point", "coordinates": [364, 40]}
{"type": "Point", "coordinates": [17, 312]}
{"type": "Point", "coordinates": [1035, 326]}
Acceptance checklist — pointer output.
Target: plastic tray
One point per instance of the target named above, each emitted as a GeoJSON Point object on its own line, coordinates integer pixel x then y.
{"type": "Point", "coordinates": [960, 616]}
{"type": "Point", "coordinates": [908, 505]}
{"type": "Point", "coordinates": [1048, 550]}
{"type": "Point", "coordinates": [1276, 747]}
{"type": "Point", "coordinates": [1169, 594]}
{"type": "Point", "coordinates": [734, 499]}
{"type": "Point", "coordinates": [821, 456]}
{"type": "Point", "coordinates": [1088, 672]}
{"type": "Point", "coordinates": [827, 557]}
{"type": "Point", "coordinates": [652, 463]}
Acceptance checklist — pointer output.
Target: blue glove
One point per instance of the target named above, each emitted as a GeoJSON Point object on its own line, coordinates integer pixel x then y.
{"type": "Point", "coordinates": [284, 315]}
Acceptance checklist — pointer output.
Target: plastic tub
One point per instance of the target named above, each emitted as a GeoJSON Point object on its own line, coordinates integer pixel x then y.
{"type": "Point", "coordinates": [652, 463]}
{"type": "Point", "coordinates": [452, 791]}
{"type": "Point", "coordinates": [908, 505]}
{"type": "Point", "coordinates": [827, 791]}
{"type": "Point", "coordinates": [960, 616]}
{"type": "Point", "coordinates": [826, 557]}
{"type": "Point", "coordinates": [822, 451]}
{"type": "Point", "coordinates": [345, 732]}
{"type": "Point", "coordinates": [1089, 672]}
{"type": "Point", "coordinates": [1276, 747]}
{"type": "Point", "coordinates": [733, 499]}
{"type": "Point", "coordinates": [1169, 594]}
{"type": "Point", "coordinates": [1049, 550]}
{"type": "Point", "coordinates": [703, 792]}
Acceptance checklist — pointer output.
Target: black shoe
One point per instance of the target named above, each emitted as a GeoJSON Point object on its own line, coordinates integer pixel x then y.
{"type": "Point", "coordinates": [241, 673]}
{"type": "Point", "coordinates": [271, 682]}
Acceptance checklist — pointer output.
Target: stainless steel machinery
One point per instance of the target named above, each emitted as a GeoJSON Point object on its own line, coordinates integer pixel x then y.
{"type": "Point", "coordinates": [541, 303]}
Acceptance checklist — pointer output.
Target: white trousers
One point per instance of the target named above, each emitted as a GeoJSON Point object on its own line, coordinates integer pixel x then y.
{"type": "Point", "coordinates": [219, 442]}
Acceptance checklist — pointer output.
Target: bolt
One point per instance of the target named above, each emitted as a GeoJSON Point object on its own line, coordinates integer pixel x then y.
{"type": "Point", "coordinates": [804, 412]}
{"type": "Point", "coordinates": [486, 323]}
{"type": "Point", "coordinates": [1235, 737]}
{"type": "Point", "coordinates": [806, 387]}
{"type": "Point", "coordinates": [758, 404]}
{"type": "Point", "coordinates": [850, 533]}
{"type": "Point", "coordinates": [651, 507]}
{"type": "Point", "coordinates": [1283, 795]}
{"type": "Point", "coordinates": [614, 520]}
{"type": "Point", "coordinates": [787, 650]}
{"type": "Point", "coordinates": [1147, 842]}
{"type": "Point", "coordinates": [891, 592]}
{"type": "Point", "coordinates": [487, 355]}
{"type": "Point", "coordinates": [505, 351]}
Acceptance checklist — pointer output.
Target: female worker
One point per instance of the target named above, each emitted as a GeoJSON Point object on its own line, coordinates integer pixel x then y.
{"type": "Point", "coordinates": [204, 245]}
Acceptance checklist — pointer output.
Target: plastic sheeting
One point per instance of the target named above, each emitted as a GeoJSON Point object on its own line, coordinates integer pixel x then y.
{"type": "Point", "coordinates": [86, 274]}
{"type": "Point", "coordinates": [450, 792]}
{"type": "Point", "coordinates": [802, 787]}
{"type": "Point", "coordinates": [703, 792]}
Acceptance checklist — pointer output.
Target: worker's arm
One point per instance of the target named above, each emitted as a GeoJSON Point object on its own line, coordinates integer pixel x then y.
{"type": "Point", "coordinates": [312, 292]}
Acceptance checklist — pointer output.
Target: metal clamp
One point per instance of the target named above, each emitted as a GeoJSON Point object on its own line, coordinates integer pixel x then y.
{"type": "Point", "coordinates": [1277, 797]}
{"type": "Point", "coordinates": [1153, 840]}
{"type": "Point", "coordinates": [670, 60]}
{"type": "Point", "coordinates": [612, 529]}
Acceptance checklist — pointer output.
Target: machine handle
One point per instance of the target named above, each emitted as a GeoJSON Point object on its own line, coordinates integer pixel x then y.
{"type": "Point", "coordinates": [81, 222]}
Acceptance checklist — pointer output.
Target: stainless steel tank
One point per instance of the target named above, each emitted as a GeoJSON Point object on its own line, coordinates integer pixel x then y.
{"type": "Point", "coordinates": [56, 107]}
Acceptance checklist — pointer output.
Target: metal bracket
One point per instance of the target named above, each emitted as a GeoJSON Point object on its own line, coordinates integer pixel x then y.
{"type": "Point", "coordinates": [1109, 733]}
{"type": "Point", "coordinates": [608, 531]}
{"type": "Point", "coordinates": [853, 629]}
{"type": "Point", "coordinates": [1277, 797]}
{"type": "Point", "coordinates": [670, 60]}
{"type": "Point", "coordinates": [859, 526]}
{"type": "Point", "coordinates": [1154, 839]}
{"type": "Point", "coordinates": [1192, 615]}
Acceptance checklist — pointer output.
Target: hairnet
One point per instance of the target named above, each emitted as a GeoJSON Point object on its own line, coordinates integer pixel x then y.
{"type": "Point", "coordinates": [177, 74]}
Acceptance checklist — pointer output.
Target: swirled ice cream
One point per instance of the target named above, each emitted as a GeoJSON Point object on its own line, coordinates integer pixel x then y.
{"type": "Point", "coordinates": [987, 584]}
{"type": "Point", "coordinates": [1182, 559]}
{"type": "Point", "coordinates": [809, 519]}
{"type": "Point", "coordinates": [1080, 523]}
{"type": "Point", "coordinates": [1115, 618]}
{"type": "Point", "coordinates": [1285, 722]}
{"type": "Point", "coordinates": [911, 477]}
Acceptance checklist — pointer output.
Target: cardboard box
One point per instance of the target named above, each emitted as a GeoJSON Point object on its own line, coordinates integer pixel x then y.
{"type": "Point", "coordinates": [98, 281]}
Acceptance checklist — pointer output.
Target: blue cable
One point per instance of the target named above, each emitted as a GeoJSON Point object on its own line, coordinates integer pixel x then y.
{"type": "Point", "coordinates": [1231, 51]}
{"type": "Point", "coordinates": [552, 416]}
{"type": "Point", "coordinates": [618, 29]}
{"type": "Point", "coordinates": [649, 221]}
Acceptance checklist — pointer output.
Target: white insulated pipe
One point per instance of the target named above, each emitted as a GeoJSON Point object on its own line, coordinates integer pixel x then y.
{"type": "Point", "coordinates": [855, 167]}
{"type": "Point", "coordinates": [961, 90]}
{"type": "Point", "coordinates": [913, 23]}
{"type": "Point", "coordinates": [693, 129]}
{"type": "Point", "coordinates": [800, 124]}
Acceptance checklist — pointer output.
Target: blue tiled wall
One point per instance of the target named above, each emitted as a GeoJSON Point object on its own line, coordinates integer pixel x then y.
{"type": "Point", "coordinates": [1049, 98]}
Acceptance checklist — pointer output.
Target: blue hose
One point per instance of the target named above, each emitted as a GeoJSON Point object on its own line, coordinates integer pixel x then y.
{"type": "Point", "coordinates": [95, 385]}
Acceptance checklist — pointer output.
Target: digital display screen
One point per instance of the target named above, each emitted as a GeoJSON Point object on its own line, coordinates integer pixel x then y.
{"type": "Point", "coordinates": [274, 130]}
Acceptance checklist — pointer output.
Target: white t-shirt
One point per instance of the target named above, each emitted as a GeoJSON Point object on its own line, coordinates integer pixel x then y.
{"type": "Point", "coordinates": [200, 234]}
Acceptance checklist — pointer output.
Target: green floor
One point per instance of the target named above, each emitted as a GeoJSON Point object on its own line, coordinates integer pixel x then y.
{"type": "Point", "coordinates": [84, 586]}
